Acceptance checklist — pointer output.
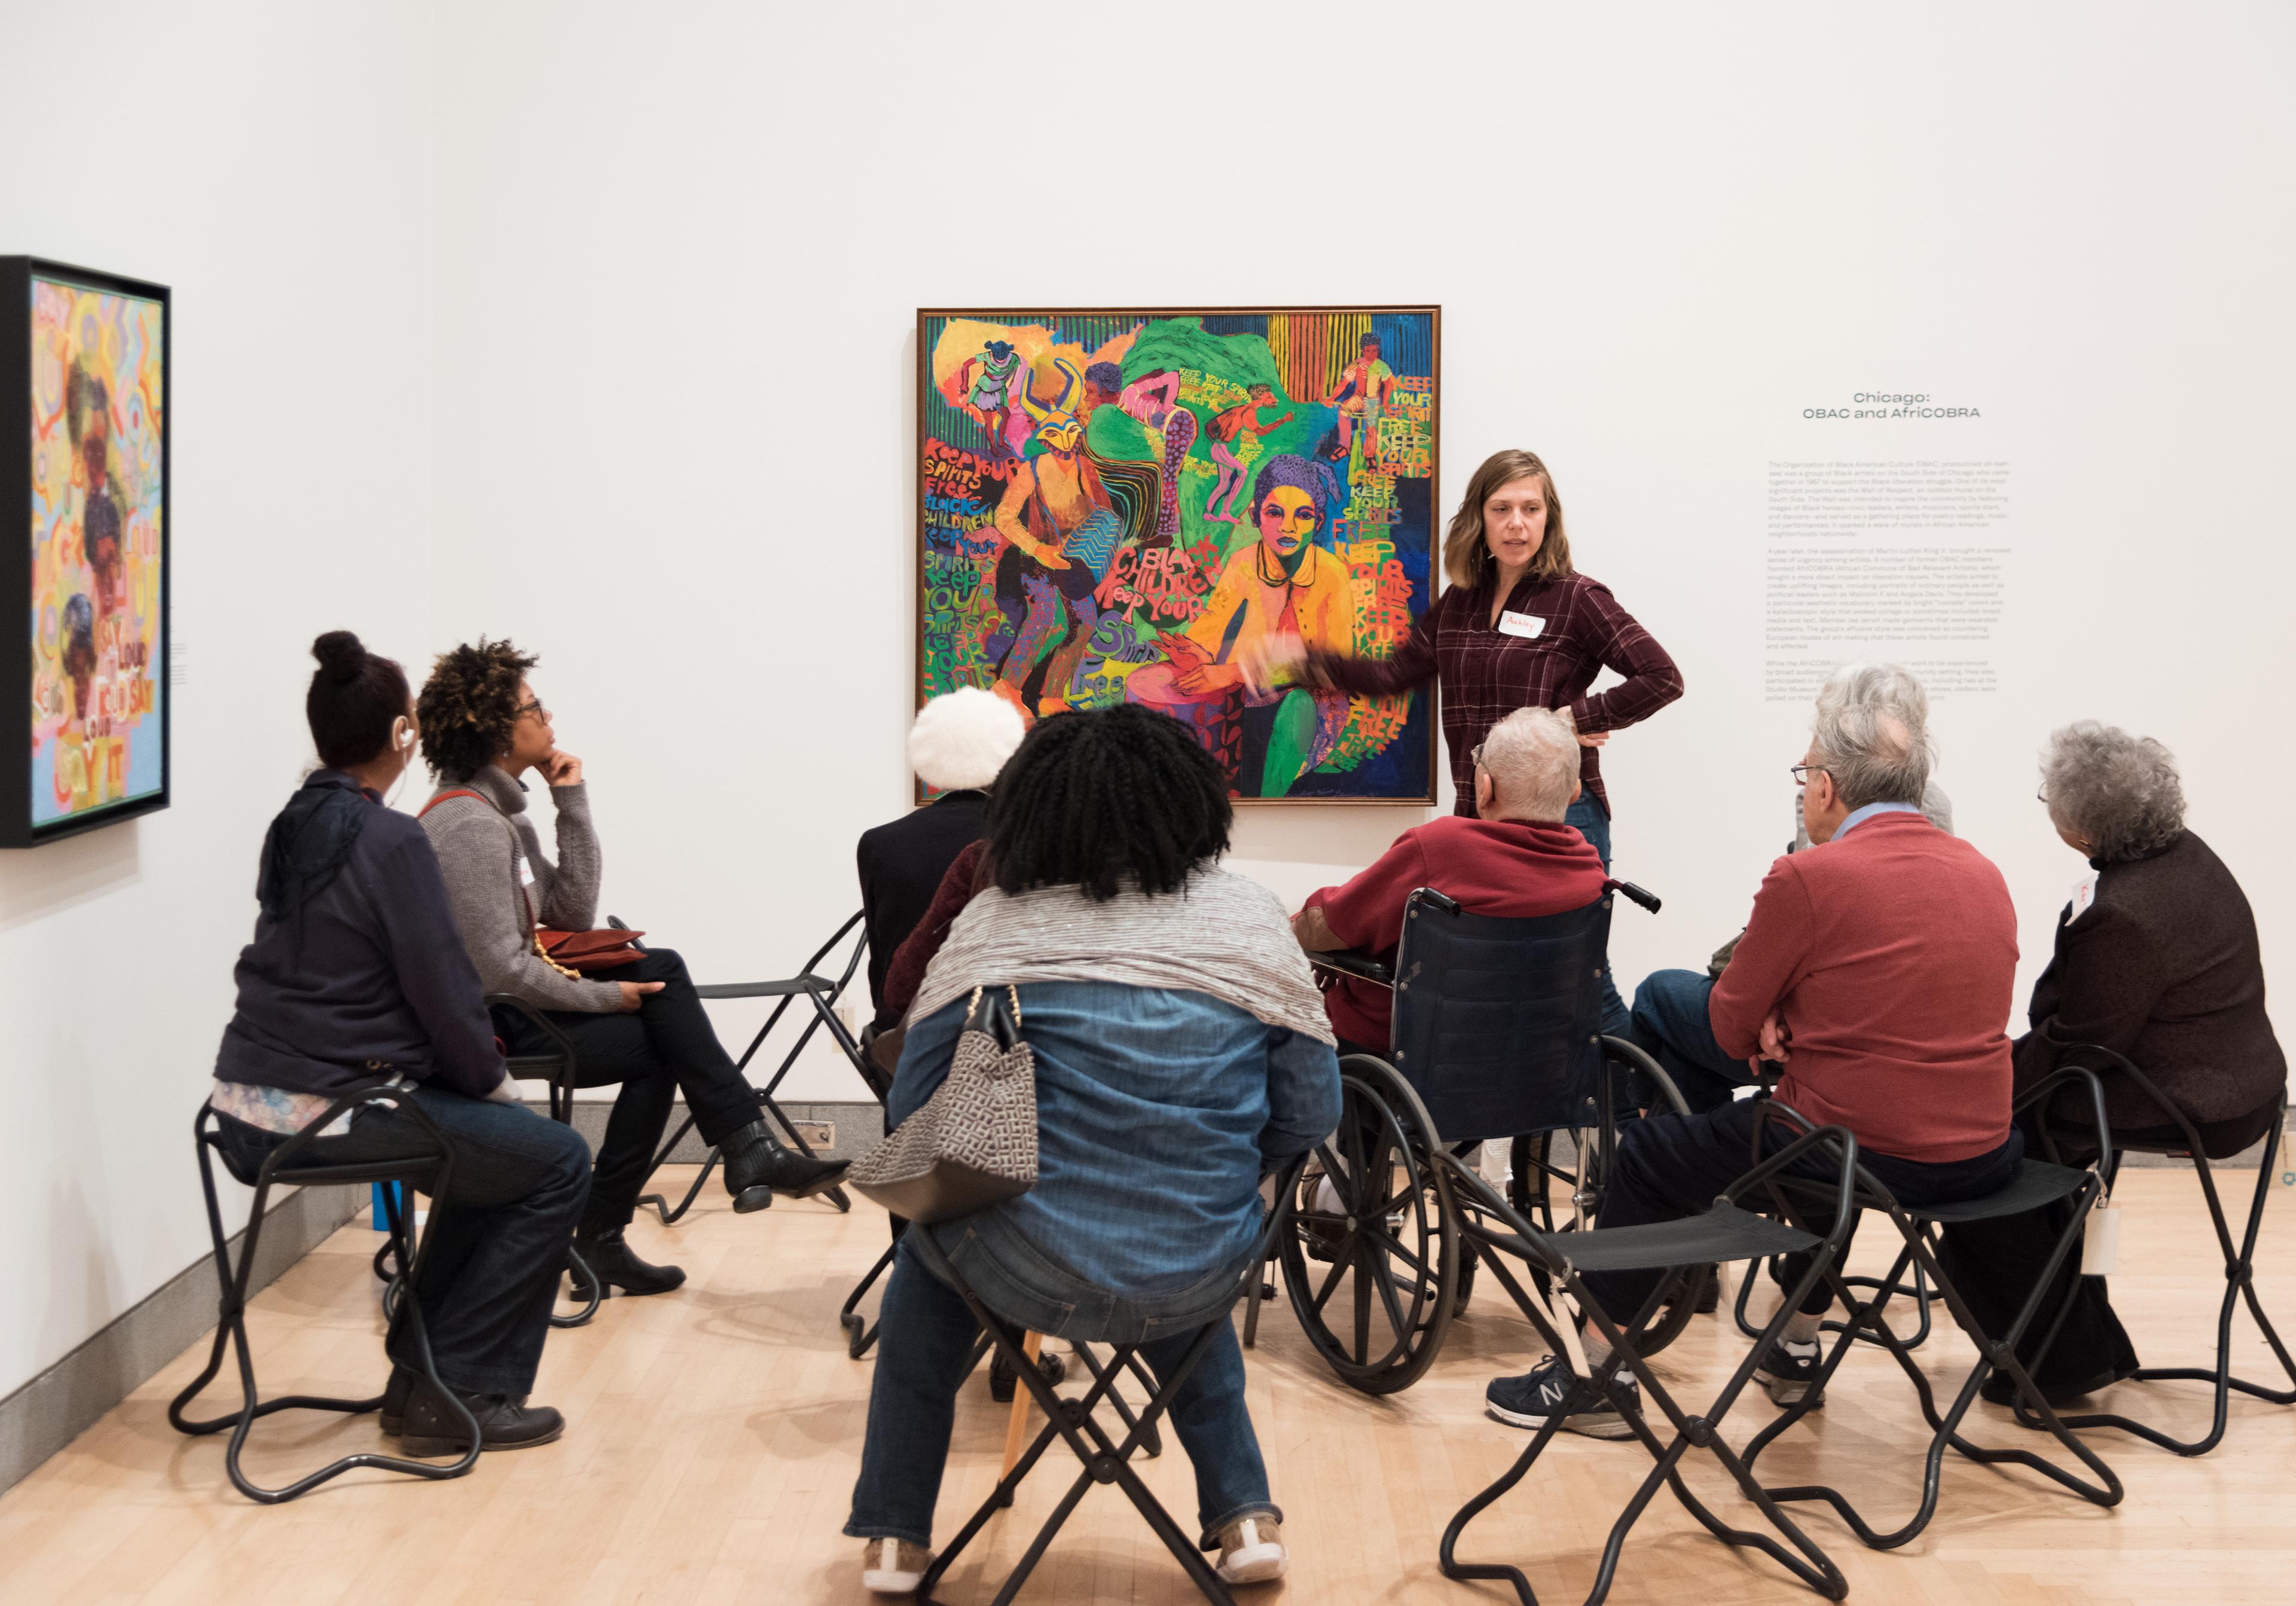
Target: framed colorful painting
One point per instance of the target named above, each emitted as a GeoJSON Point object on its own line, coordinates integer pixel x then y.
{"type": "Point", "coordinates": [1119, 506]}
{"type": "Point", "coordinates": [84, 396]}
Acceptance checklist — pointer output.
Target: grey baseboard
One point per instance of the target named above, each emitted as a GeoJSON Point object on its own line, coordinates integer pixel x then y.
{"type": "Point", "coordinates": [860, 1127]}
{"type": "Point", "coordinates": [63, 1401]}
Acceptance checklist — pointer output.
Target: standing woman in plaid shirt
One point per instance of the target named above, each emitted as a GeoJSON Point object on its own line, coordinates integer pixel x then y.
{"type": "Point", "coordinates": [1517, 628]}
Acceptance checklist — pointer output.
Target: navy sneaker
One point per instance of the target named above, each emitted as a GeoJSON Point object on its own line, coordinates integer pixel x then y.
{"type": "Point", "coordinates": [1789, 1373]}
{"type": "Point", "coordinates": [1528, 1400]}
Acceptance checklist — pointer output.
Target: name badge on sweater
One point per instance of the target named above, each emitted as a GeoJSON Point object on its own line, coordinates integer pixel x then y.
{"type": "Point", "coordinates": [525, 871]}
{"type": "Point", "coordinates": [2084, 897]}
{"type": "Point", "coordinates": [1528, 626]}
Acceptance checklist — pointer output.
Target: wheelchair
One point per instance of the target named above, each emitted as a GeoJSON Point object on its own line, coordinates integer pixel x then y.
{"type": "Point", "coordinates": [1496, 1038]}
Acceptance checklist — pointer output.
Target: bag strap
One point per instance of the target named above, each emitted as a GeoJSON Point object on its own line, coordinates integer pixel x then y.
{"type": "Point", "coordinates": [1012, 992]}
{"type": "Point", "coordinates": [460, 791]}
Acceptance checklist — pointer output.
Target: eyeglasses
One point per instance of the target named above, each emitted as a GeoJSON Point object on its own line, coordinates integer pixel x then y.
{"type": "Point", "coordinates": [1800, 772]}
{"type": "Point", "coordinates": [1475, 755]}
{"type": "Point", "coordinates": [535, 709]}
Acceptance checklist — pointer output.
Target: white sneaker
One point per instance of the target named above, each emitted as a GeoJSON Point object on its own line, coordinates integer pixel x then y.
{"type": "Point", "coordinates": [1251, 1551]}
{"type": "Point", "coordinates": [893, 1566]}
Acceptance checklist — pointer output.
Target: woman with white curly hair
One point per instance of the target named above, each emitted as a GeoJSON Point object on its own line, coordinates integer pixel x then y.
{"type": "Point", "coordinates": [2157, 959]}
{"type": "Point", "coordinates": [959, 742]}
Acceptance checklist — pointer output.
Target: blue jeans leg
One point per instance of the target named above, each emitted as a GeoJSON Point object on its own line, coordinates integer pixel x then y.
{"type": "Point", "coordinates": [1594, 825]}
{"type": "Point", "coordinates": [1672, 1026]}
{"type": "Point", "coordinates": [1214, 1427]}
{"type": "Point", "coordinates": [925, 1339]}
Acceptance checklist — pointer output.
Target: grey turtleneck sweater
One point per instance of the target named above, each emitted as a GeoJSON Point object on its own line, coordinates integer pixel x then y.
{"type": "Point", "coordinates": [500, 886]}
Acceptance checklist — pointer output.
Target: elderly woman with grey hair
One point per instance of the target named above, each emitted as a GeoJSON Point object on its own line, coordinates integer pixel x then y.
{"type": "Point", "coordinates": [2156, 955]}
{"type": "Point", "coordinates": [2156, 958]}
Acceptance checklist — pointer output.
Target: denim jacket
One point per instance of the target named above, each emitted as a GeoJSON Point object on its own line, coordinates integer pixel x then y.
{"type": "Point", "coordinates": [1157, 1112]}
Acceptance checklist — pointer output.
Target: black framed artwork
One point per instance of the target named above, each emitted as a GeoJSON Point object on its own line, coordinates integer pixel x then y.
{"type": "Point", "coordinates": [83, 377]}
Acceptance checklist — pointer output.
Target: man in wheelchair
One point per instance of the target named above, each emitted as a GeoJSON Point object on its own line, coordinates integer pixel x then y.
{"type": "Point", "coordinates": [1516, 860]}
{"type": "Point", "coordinates": [1877, 969]}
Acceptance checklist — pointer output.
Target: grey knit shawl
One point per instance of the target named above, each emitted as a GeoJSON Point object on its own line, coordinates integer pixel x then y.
{"type": "Point", "coordinates": [1224, 935]}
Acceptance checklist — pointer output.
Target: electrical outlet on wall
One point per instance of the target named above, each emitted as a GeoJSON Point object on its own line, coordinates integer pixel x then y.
{"type": "Point", "coordinates": [818, 1134]}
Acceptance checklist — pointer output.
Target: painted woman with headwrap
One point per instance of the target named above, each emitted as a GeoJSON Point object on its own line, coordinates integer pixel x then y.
{"type": "Point", "coordinates": [1283, 585]}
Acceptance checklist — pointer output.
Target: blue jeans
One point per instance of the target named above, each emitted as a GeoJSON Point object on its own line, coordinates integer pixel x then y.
{"type": "Point", "coordinates": [1593, 823]}
{"type": "Point", "coordinates": [494, 1245]}
{"type": "Point", "coordinates": [1672, 1026]}
{"type": "Point", "coordinates": [927, 1337]}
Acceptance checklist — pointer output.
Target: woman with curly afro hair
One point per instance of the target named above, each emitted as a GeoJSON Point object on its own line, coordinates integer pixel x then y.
{"type": "Point", "coordinates": [639, 1025]}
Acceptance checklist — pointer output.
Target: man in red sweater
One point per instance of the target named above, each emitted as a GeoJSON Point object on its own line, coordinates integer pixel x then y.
{"type": "Point", "coordinates": [1877, 969]}
{"type": "Point", "coordinates": [1514, 860]}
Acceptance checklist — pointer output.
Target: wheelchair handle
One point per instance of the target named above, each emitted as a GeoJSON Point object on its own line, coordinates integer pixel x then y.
{"type": "Point", "coordinates": [1634, 894]}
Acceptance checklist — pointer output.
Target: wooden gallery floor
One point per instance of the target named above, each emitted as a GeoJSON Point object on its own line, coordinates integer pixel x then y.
{"type": "Point", "coordinates": [714, 1436]}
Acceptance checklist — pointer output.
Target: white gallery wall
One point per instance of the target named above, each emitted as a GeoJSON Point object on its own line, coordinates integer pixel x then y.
{"type": "Point", "coordinates": [592, 326]}
{"type": "Point", "coordinates": [679, 263]}
{"type": "Point", "coordinates": [272, 163]}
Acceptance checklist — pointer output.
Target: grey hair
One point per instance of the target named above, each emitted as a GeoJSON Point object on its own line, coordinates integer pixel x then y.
{"type": "Point", "coordinates": [1533, 757]}
{"type": "Point", "coordinates": [1871, 734]}
{"type": "Point", "coordinates": [2119, 792]}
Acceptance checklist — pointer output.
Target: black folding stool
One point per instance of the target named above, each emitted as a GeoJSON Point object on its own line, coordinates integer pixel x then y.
{"type": "Point", "coordinates": [1682, 1249]}
{"type": "Point", "coordinates": [2239, 1268]}
{"type": "Point", "coordinates": [2037, 1186]}
{"type": "Point", "coordinates": [434, 1171]}
{"type": "Point", "coordinates": [1105, 1460]}
{"type": "Point", "coordinates": [823, 994]}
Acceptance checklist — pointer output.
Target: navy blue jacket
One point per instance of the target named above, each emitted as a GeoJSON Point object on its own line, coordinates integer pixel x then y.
{"type": "Point", "coordinates": [366, 980]}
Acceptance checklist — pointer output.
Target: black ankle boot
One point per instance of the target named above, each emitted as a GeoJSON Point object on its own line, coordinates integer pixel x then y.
{"type": "Point", "coordinates": [614, 1262]}
{"type": "Point", "coordinates": [433, 1427]}
{"type": "Point", "coordinates": [757, 1167]}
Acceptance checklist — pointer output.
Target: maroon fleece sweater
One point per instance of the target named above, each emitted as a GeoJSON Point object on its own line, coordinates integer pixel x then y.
{"type": "Point", "coordinates": [1892, 952]}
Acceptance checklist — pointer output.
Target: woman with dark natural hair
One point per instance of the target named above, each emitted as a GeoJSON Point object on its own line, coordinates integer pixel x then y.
{"type": "Point", "coordinates": [2156, 959]}
{"type": "Point", "coordinates": [1181, 1053]}
{"type": "Point", "coordinates": [1518, 627]}
{"type": "Point", "coordinates": [640, 1025]}
{"type": "Point", "coordinates": [355, 981]}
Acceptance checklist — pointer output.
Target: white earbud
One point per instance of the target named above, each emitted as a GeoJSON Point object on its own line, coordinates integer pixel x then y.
{"type": "Point", "coordinates": [402, 734]}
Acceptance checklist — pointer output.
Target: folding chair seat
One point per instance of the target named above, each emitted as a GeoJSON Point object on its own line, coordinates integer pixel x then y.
{"type": "Point", "coordinates": [1105, 1459]}
{"type": "Point", "coordinates": [431, 1170]}
{"type": "Point", "coordinates": [2037, 1186]}
{"type": "Point", "coordinates": [2239, 1267]}
{"type": "Point", "coordinates": [822, 993]}
{"type": "Point", "coordinates": [1682, 1249]}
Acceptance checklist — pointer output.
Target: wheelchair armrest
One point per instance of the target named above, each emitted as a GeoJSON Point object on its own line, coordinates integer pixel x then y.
{"type": "Point", "coordinates": [1356, 963]}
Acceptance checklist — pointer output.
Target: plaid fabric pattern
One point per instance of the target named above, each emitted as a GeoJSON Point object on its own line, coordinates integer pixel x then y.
{"type": "Point", "coordinates": [1486, 675]}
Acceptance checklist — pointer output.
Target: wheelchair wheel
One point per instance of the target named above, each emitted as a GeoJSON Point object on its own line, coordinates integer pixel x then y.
{"type": "Point", "coordinates": [1587, 1178]}
{"type": "Point", "coordinates": [1373, 1282]}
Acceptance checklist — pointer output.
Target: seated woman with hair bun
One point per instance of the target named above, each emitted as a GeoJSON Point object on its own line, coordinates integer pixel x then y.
{"type": "Point", "coordinates": [640, 1025]}
{"type": "Point", "coordinates": [2157, 959]}
{"type": "Point", "coordinates": [355, 981]}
